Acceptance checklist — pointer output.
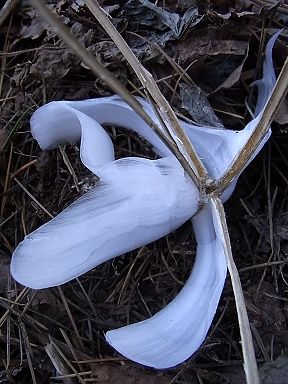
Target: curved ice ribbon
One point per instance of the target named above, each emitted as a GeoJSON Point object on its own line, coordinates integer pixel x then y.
{"type": "Point", "coordinates": [136, 202]}
{"type": "Point", "coordinates": [178, 330]}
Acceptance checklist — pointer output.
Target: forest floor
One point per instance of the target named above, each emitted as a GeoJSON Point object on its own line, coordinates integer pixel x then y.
{"type": "Point", "coordinates": [57, 334]}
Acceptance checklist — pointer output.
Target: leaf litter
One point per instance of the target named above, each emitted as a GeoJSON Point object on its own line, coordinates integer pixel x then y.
{"type": "Point", "coordinates": [37, 68]}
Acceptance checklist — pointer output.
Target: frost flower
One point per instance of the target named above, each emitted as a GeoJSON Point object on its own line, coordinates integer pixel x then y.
{"type": "Point", "coordinates": [136, 202]}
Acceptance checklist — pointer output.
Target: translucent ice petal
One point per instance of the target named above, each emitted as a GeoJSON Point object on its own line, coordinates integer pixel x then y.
{"type": "Point", "coordinates": [137, 201]}
{"type": "Point", "coordinates": [177, 331]}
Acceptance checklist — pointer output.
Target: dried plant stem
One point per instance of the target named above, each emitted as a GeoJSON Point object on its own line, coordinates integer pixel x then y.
{"type": "Point", "coordinates": [7, 8]}
{"type": "Point", "coordinates": [115, 85]}
{"type": "Point", "coordinates": [166, 112]}
{"type": "Point", "coordinates": [58, 361]}
{"type": "Point", "coordinates": [89, 59]}
{"type": "Point", "coordinates": [250, 364]}
{"type": "Point", "coordinates": [261, 129]}
{"type": "Point", "coordinates": [33, 198]}
{"type": "Point", "coordinates": [16, 301]}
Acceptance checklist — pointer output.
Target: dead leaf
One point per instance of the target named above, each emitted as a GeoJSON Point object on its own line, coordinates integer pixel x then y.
{"type": "Point", "coordinates": [77, 5]}
{"type": "Point", "coordinates": [35, 26]}
{"type": "Point", "coordinates": [84, 35]}
{"type": "Point", "coordinates": [52, 63]}
{"type": "Point", "coordinates": [234, 76]}
{"type": "Point", "coordinates": [43, 296]}
{"type": "Point", "coordinates": [207, 42]}
{"type": "Point", "coordinates": [265, 8]}
{"type": "Point", "coordinates": [106, 52]}
{"type": "Point", "coordinates": [164, 25]}
{"type": "Point", "coordinates": [179, 6]}
{"type": "Point", "coordinates": [197, 105]}
{"type": "Point", "coordinates": [282, 113]}
{"type": "Point", "coordinates": [275, 372]}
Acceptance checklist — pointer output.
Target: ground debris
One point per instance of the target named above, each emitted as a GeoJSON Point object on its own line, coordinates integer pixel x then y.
{"type": "Point", "coordinates": [198, 107]}
{"type": "Point", "coordinates": [275, 371]}
{"type": "Point", "coordinates": [126, 373]}
{"type": "Point", "coordinates": [34, 27]}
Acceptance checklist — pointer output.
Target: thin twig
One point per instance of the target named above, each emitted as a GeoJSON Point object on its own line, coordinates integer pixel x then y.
{"type": "Point", "coordinates": [171, 122]}
{"type": "Point", "coordinates": [66, 306]}
{"type": "Point", "coordinates": [7, 8]}
{"type": "Point", "coordinates": [110, 80]}
{"type": "Point", "coordinates": [33, 198]}
{"type": "Point", "coordinates": [250, 364]}
{"type": "Point", "coordinates": [261, 129]}
{"type": "Point", "coordinates": [18, 298]}
{"type": "Point", "coordinates": [67, 362]}
{"type": "Point", "coordinates": [6, 183]}
{"type": "Point", "coordinates": [23, 168]}
{"type": "Point", "coordinates": [70, 168]}
{"type": "Point", "coordinates": [28, 350]}
{"type": "Point", "coordinates": [58, 362]}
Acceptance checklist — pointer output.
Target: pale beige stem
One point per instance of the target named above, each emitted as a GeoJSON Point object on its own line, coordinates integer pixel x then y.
{"type": "Point", "coordinates": [270, 109]}
{"type": "Point", "coordinates": [250, 364]}
{"type": "Point", "coordinates": [114, 84]}
{"type": "Point", "coordinates": [6, 9]}
{"type": "Point", "coordinates": [167, 114]}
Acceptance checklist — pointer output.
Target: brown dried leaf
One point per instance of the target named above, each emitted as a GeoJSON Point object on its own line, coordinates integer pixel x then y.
{"type": "Point", "coordinates": [265, 8]}
{"type": "Point", "coordinates": [52, 63]}
{"type": "Point", "coordinates": [197, 105]}
{"type": "Point", "coordinates": [43, 296]}
{"type": "Point", "coordinates": [282, 113]}
{"type": "Point", "coordinates": [234, 76]}
{"type": "Point", "coordinates": [207, 44]}
{"type": "Point", "coordinates": [106, 52]}
{"type": "Point", "coordinates": [275, 371]}
{"type": "Point", "coordinates": [35, 27]}
{"type": "Point", "coordinates": [163, 25]}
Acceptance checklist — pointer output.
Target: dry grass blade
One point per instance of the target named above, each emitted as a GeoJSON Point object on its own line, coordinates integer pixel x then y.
{"type": "Point", "coordinates": [70, 346]}
{"type": "Point", "coordinates": [58, 362]}
{"type": "Point", "coordinates": [67, 362]}
{"type": "Point", "coordinates": [6, 183]}
{"type": "Point", "coordinates": [70, 168]}
{"type": "Point", "coordinates": [111, 81]}
{"type": "Point", "coordinates": [33, 198]}
{"type": "Point", "coordinates": [250, 364]}
{"type": "Point", "coordinates": [7, 8]}
{"type": "Point", "coordinates": [22, 294]}
{"type": "Point", "coordinates": [166, 112]}
{"type": "Point", "coordinates": [88, 58]}
{"type": "Point", "coordinates": [23, 168]}
{"type": "Point", "coordinates": [270, 109]}
{"type": "Point", "coordinates": [66, 306]}
{"type": "Point", "coordinates": [28, 350]}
